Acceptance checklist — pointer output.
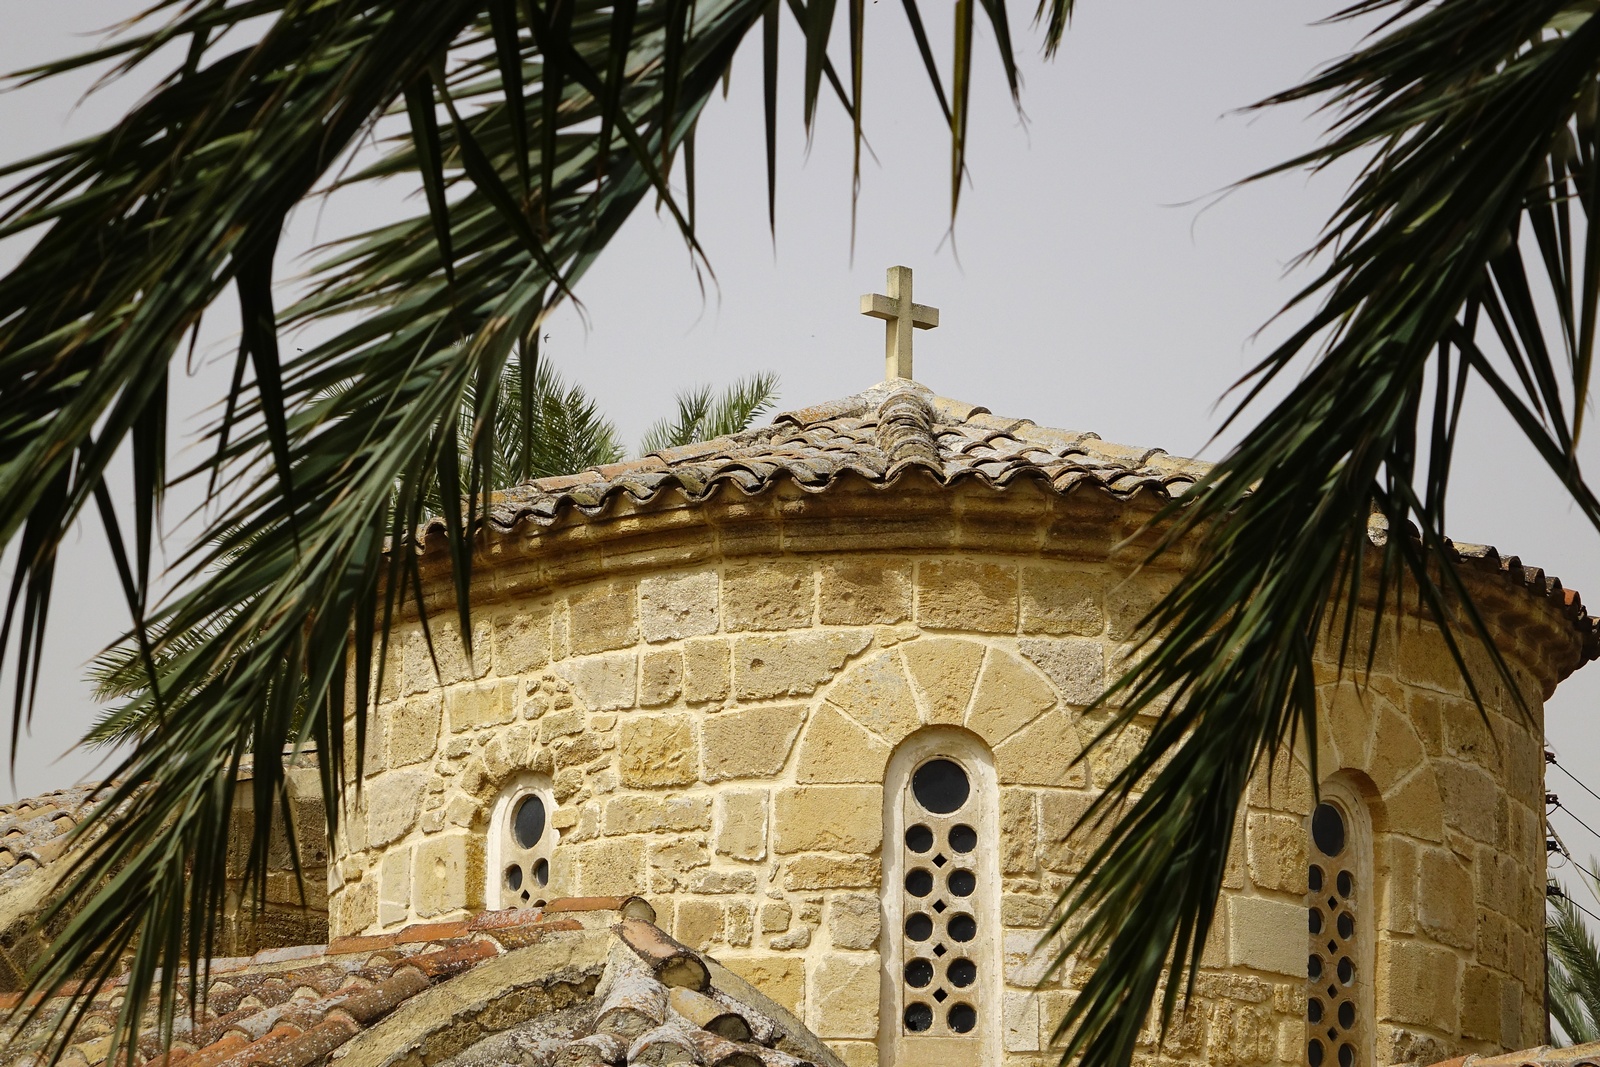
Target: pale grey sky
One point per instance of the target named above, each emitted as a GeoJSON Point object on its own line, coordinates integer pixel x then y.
{"type": "Point", "coordinates": [1087, 284]}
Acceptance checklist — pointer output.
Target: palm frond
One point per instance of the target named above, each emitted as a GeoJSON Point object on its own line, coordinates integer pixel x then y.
{"type": "Point", "coordinates": [700, 416]}
{"type": "Point", "coordinates": [535, 130]}
{"type": "Point", "coordinates": [1473, 121]}
{"type": "Point", "coordinates": [1574, 959]}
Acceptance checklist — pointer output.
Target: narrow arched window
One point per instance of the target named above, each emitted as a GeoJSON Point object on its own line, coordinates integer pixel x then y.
{"type": "Point", "coordinates": [941, 900]}
{"type": "Point", "coordinates": [1338, 904]}
{"type": "Point", "coordinates": [521, 841]}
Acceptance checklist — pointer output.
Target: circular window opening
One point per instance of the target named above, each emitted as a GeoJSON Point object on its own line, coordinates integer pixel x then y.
{"type": "Point", "coordinates": [919, 883]}
{"type": "Point", "coordinates": [963, 1018]}
{"type": "Point", "coordinates": [962, 883]}
{"type": "Point", "coordinates": [919, 1017]}
{"type": "Point", "coordinates": [963, 928]}
{"type": "Point", "coordinates": [919, 927]}
{"type": "Point", "coordinates": [1314, 1053]}
{"type": "Point", "coordinates": [919, 838]}
{"type": "Point", "coordinates": [1314, 878]}
{"type": "Point", "coordinates": [963, 838]}
{"type": "Point", "coordinates": [941, 786]}
{"type": "Point", "coordinates": [962, 973]}
{"type": "Point", "coordinates": [1347, 1055]}
{"type": "Point", "coordinates": [527, 825]}
{"type": "Point", "coordinates": [1327, 829]}
{"type": "Point", "coordinates": [1346, 884]}
{"type": "Point", "coordinates": [541, 872]}
{"type": "Point", "coordinates": [514, 877]}
{"type": "Point", "coordinates": [919, 973]}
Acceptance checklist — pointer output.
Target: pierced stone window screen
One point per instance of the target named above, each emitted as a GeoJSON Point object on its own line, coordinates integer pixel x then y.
{"type": "Point", "coordinates": [1339, 901]}
{"type": "Point", "coordinates": [521, 844]}
{"type": "Point", "coordinates": [942, 977]}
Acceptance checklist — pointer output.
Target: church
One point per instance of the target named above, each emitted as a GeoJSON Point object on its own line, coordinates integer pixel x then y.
{"type": "Point", "coordinates": [765, 757]}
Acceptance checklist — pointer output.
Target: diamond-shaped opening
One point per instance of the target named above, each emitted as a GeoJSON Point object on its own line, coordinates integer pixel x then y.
{"type": "Point", "coordinates": [1333, 946]}
{"type": "Point", "coordinates": [938, 905]}
{"type": "Point", "coordinates": [941, 996]}
{"type": "Point", "coordinates": [939, 860]}
{"type": "Point", "coordinates": [1333, 1035]}
{"type": "Point", "coordinates": [939, 950]}
{"type": "Point", "coordinates": [1333, 991]}
{"type": "Point", "coordinates": [1333, 903]}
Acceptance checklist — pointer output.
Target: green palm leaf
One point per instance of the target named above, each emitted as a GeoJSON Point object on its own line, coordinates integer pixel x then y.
{"type": "Point", "coordinates": [1574, 965]}
{"type": "Point", "coordinates": [1475, 121]}
{"type": "Point", "coordinates": [701, 416]}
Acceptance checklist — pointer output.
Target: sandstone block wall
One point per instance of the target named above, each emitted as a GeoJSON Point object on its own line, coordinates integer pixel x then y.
{"type": "Point", "coordinates": [717, 737]}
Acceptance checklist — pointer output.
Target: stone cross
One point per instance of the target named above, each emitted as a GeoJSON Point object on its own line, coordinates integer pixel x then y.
{"type": "Point", "coordinates": [900, 316]}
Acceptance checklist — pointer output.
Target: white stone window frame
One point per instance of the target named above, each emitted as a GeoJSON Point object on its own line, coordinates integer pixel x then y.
{"type": "Point", "coordinates": [1360, 904]}
{"type": "Point", "coordinates": [504, 850]}
{"type": "Point", "coordinates": [981, 1047]}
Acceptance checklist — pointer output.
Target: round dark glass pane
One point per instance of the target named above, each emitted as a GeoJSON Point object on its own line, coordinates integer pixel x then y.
{"type": "Point", "coordinates": [1346, 924]}
{"type": "Point", "coordinates": [919, 838]}
{"type": "Point", "coordinates": [1314, 1010]}
{"type": "Point", "coordinates": [962, 973]}
{"type": "Point", "coordinates": [1315, 921]}
{"type": "Point", "coordinates": [1347, 1015]}
{"type": "Point", "coordinates": [963, 838]}
{"type": "Point", "coordinates": [1314, 878]}
{"type": "Point", "coordinates": [1327, 829]}
{"type": "Point", "coordinates": [541, 872]}
{"type": "Point", "coordinates": [1347, 1056]}
{"type": "Point", "coordinates": [1347, 970]}
{"type": "Point", "coordinates": [514, 877]}
{"type": "Point", "coordinates": [1314, 1053]}
{"type": "Point", "coordinates": [919, 973]}
{"type": "Point", "coordinates": [940, 786]}
{"type": "Point", "coordinates": [963, 927]}
{"type": "Point", "coordinates": [1314, 967]}
{"type": "Point", "coordinates": [919, 927]}
{"type": "Point", "coordinates": [527, 826]}
{"type": "Point", "coordinates": [962, 883]}
{"type": "Point", "coordinates": [1345, 883]}
{"type": "Point", "coordinates": [963, 1018]}
{"type": "Point", "coordinates": [919, 883]}
{"type": "Point", "coordinates": [919, 1017]}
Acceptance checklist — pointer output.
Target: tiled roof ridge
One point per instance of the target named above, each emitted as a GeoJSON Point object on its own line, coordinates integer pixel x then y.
{"type": "Point", "coordinates": [276, 1031]}
{"type": "Point", "coordinates": [1586, 1055]}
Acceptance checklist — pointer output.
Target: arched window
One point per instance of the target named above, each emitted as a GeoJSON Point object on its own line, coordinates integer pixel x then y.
{"type": "Point", "coordinates": [521, 841]}
{"type": "Point", "coordinates": [1339, 902]}
{"type": "Point", "coordinates": [941, 901]}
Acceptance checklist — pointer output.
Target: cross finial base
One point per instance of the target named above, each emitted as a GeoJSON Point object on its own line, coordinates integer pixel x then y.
{"type": "Point", "coordinates": [900, 317]}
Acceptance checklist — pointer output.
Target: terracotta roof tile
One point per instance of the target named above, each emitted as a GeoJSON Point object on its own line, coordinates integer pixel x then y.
{"type": "Point", "coordinates": [298, 1007]}
{"type": "Point", "coordinates": [1543, 1056]}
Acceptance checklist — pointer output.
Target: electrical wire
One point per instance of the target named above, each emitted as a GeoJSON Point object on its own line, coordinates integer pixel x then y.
{"type": "Point", "coordinates": [1557, 763]}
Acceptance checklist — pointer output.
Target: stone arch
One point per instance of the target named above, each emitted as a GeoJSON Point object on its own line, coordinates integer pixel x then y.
{"type": "Point", "coordinates": [983, 687]}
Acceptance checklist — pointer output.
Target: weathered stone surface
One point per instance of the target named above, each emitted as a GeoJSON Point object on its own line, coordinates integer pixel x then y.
{"type": "Point", "coordinates": [448, 867]}
{"type": "Point", "coordinates": [843, 998]}
{"type": "Point", "coordinates": [742, 825]}
{"type": "Point", "coordinates": [393, 802]}
{"type": "Point", "coordinates": [853, 920]}
{"type": "Point", "coordinates": [1276, 849]}
{"type": "Point", "coordinates": [768, 596]}
{"type": "Point", "coordinates": [944, 670]}
{"type": "Point", "coordinates": [864, 592]}
{"type": "Point", "coordinates": [675, 606]}
{"type": "Point", "coordinates": [657, 750]}
{"type": "Point", "coordinates": [394, 887]}
{"type": "Point", "coordinates": [1041, 753]}
{"type": "Point", "coordinates": [751, 743]}
{"type": "Point", "coordinates": [1422, 983]}
{"type": "Point", "coordinates": [831, 872]}
{"type": "Point", "coordinates": [521, 640]}
{"type": "Point", "coordinates": [792, 665]}
{"type": "Point", "coordinates": [828, 818]}
{"type": "Point", "coordinates": [1445, 908]}
{"type": "Point", "coordinates": [602, 683]}
{"type": "Point", "coordinates": [1075, 666]}
{"type": "Point", "coordinates": [612, 867]}
{"type": "Point", "coordinates": [1267, 935]}
{"type": "Point", "coordinates": [698, 923]}
{"type": "Point", "coordinates": [1019, 833]}
{"type": "Point", "coordinates": [966, 595]}
{"type": "Point", "coordinates": [479, 704]}
{"type": "Point", "coordinates": [835, 748]}
{"type": "Point", "coordinates": [660, 678]}
{"type": "Point", "coordinates": [706, 670]}
{"type": "Point", "coordinates": [1010, 695]}
{"type": "Point", "coordinates": [876, 694]}
{"type": "Point", "coordinates": [413, 730]}
{"type": "Point", "coordinates": [782, 978]}
{"type": "Point", "coordinates": [1063, 600]}
{"type": "Point", "coordinates": [602, 618]}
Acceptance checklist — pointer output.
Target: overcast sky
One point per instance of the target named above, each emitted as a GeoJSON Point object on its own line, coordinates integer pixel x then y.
{"type": "Point", "coordinates": [1094, 280]}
